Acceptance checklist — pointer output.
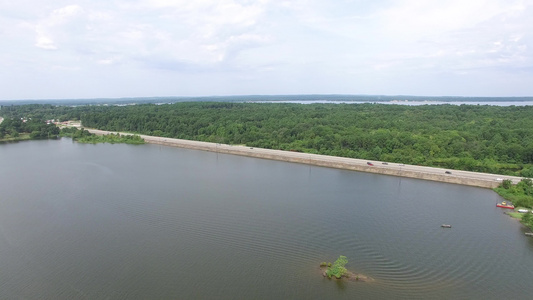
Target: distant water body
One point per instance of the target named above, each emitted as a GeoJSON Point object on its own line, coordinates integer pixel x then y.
{"type": "Point", "coordinates": [410, 102]}
{"type": "Point", "coordinates": [383, 99]}
{"type": "Point", "coordinates": [80, 221]}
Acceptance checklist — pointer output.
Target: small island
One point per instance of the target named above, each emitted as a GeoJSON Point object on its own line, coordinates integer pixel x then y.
{"type": "Point", "coordinates": [338, 271]}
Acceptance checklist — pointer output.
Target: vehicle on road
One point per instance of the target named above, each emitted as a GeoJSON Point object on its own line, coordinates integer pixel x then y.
{"type": "Point", "coordinates": [448, 172]}
{"type": "Point", "coordinates": [385, 163]}
{"type": "Point", "coordinates": [369, 163]}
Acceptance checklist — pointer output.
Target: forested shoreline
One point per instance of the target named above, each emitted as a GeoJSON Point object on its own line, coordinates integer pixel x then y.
{"type": "Point", "coordinates": [478, 138]}
{"type": "Point", "coordinates": [15, 129]}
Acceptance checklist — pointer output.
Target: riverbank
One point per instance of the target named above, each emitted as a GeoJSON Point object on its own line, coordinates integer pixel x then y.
{"type": "Point", "coordinates": [21, 137]}
{"type": "Point", "coordinates": [484, 180]}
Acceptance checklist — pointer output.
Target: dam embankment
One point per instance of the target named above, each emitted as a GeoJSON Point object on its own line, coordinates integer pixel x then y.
{"type": "Point", "coordinates": [483, 180]}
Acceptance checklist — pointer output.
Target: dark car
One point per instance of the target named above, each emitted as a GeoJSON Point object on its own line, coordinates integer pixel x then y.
{"type": "Point", "coordinates": [448, 172]}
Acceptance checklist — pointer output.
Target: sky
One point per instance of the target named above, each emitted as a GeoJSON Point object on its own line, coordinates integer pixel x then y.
{"type": "Point", "coordinates": [59, 49]}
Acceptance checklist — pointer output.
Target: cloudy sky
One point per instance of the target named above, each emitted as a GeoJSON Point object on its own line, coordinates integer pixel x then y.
{"type": "Point", "coordinates": [58, 49]}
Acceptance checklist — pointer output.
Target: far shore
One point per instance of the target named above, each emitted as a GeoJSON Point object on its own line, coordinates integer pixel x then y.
{"type": "Point", "coordinates": [484, 180]}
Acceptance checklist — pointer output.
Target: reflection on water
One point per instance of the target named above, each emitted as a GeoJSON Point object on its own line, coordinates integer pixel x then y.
{"type": "Point", "coordinates": [122, 221]}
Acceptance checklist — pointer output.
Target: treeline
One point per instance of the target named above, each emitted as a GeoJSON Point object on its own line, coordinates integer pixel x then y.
{"type": "Point", "coordinates": [42, 112]}
{"type": "Point", "coordinates": [468, 137]}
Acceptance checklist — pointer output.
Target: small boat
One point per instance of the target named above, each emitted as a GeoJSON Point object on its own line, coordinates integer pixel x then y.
{"type": "Point", "coordinates": [529, 233]}
{"type": "Point", "coordinates": [446, 226]}
{"type": "Point", "coordinates": [522, 210]}
{"type": "Point", "coordinates": [505, 205]}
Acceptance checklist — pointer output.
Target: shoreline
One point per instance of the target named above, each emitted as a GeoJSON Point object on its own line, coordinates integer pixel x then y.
{"type": "Point", "coordinates": [484, 180]}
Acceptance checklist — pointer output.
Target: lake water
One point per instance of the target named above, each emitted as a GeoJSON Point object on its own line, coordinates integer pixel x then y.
{"type": "Point", "coordinates": [104, 221]}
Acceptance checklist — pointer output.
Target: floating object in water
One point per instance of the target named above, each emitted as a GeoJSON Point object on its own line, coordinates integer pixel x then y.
{"type": "Point", "coordinates": [505, 205]}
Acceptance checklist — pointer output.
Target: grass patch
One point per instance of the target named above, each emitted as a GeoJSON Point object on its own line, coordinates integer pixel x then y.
{"type": "Point", "coordinates": [84, 136]}
{"type": "Point", "coordinates": [21, 137]}
{"type": "Point", "coordinates": [516, 215]}
{"type": "Point", "coordinates": [112, 139]}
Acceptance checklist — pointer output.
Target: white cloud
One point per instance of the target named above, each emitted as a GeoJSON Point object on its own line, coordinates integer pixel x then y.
{"type": "Point", "coordinates": [64, 13]}
{"type": "Point", "coordinates": [52, 26]}
{"type": "Point", "coordinates": [278, 46]}
{"type": "Point", "coordinates": [44, 42]}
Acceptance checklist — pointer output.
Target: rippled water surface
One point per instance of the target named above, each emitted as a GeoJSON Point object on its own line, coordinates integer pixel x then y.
{"type": "Point", "coordinates": [150, 222]}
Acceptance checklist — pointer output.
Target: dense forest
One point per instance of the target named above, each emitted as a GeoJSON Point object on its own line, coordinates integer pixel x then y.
{"type": "Point", "coordinates": [489, 139]}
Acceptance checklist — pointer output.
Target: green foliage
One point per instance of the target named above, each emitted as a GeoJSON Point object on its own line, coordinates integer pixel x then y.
{"type": "Point", "coordinates": [84, 136]}
{"type": "Point", "coordinates": [338, 268]}
{"type": "Point", "coordinates": [520, 194]}
{"type": "Point", "coordinates": [527, 220]}
{"type": "Point", "coordinates": [468, 137]}
{"type": "Point", "coordinates": [506, 184]}
{"type": "Point", "coordinates": [112, 139]}
{"type": "Point", "coordinates": [18, 129]}
{"type": "Point", "coordinates": [75, 133]}
{"type": "Point", "coordinates": [527, 172]}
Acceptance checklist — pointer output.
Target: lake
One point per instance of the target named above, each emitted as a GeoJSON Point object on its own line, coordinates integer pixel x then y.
{"type": "Point", "coordinates": [81, 221]}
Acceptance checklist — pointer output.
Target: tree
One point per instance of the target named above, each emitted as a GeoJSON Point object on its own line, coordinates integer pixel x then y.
{"type": "Point", "coordinates": [527, 172]}
{"type": "Point", "coordinates": [337, 269]}
{"type": "Point", "coordinates": [526, 185]}
{"type": "Point", "coordinates": [506, 184]}
{"type": "Point", "coordinates": [527, 219]}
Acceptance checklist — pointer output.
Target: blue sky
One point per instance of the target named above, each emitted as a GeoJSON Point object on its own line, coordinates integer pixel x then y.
{"type": "Point", "coordinates": [59, 49]}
